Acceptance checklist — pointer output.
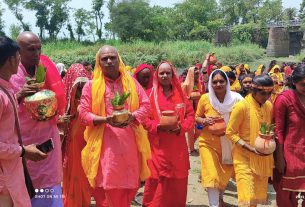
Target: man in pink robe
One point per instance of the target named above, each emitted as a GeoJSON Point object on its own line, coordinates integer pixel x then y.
{"type": "Point", "coordinates": [118, 175]}
{"type": "Point", "coordinates": [47, 174]}
{"type": "Point", "coordinates": [13, 191]}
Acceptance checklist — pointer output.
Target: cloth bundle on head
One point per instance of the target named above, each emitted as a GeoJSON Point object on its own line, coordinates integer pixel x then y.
{"type": "Point", "coordinates": [178, 95]}
{"type": "Point", "coordinates": [224, 108]}
{"type": "Point", "coordinates": [54, 82]}
{"type": "Point", "coordinates": [94, 134]}
{"type": "Point", "coordinates": [151, 69]}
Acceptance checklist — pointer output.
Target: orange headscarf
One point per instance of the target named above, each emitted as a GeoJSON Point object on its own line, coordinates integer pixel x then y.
{"type": "Point", "coordinates": [177, 91]}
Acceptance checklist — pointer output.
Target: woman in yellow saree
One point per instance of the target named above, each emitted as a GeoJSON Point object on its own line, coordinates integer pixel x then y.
{"type": "Point", "coordinates": [252, 169]}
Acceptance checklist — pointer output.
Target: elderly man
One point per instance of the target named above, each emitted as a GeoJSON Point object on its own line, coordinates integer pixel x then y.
{"type": "Point", "coordinates": [114, 158]}
{"type": "Point", "coordinates": [13, 191]}
{"type": "Point", "coordinates": [46, 175]}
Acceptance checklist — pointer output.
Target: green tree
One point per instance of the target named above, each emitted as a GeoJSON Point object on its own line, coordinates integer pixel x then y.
{"type": "Point", "coordinates": [130, 19]}
{"type": "Point", "coordinates": [302, 10]}
{"type": "Point", "coordinates": [1, 22]}
{"type": "Point", "coordinates": [42, 13]}
{"type": "Point", "coordinates": [158, 24]}
{"type": "Point", "coordinates": [71, 33]}
{"type": "Point", "coordinates": [51, 15]}
{"type": "Point", "coordinates": [98, 13]}
{"type": "Point", "coordinates": [189, 20]}
{"type": "Point", "coordinates": [230, 11]}
{"type": "Point", "coordinates": [270, 11]}
{"type": "Point", "coordinates": [14, 31]}
{"type": "Point", "coordinates": [15, 6]}
{"type": "Point", "coordinates": [83, 22]}
{"type": "Point", "coordinates": [290, 13]}
{"type": "Point", "coordinates": [108, 25]}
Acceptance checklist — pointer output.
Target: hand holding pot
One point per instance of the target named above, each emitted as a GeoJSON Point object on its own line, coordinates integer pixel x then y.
{"type": "Point", "coordinates": [27, 90]}
{"type": "Point", "coordinates": [252, 149]}
{"type": "Point", "coordinates": [110, 121]}
{"type": "Point", "coordinates": [208, 121]}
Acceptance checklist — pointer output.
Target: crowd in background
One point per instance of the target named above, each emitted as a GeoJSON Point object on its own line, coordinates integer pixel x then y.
{"type": "Point", "coordinates": [224, 107]}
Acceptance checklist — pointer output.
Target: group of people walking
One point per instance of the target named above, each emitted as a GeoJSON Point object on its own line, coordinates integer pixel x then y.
{"type": "Point", "coordinates": [99, 157]}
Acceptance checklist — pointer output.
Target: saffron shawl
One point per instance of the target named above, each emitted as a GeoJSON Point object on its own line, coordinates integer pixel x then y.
{"type": "Point", "coordinates": [94, 134]}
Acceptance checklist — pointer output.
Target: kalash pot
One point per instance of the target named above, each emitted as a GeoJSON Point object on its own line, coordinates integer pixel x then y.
{"type": "Point", "coordinates": [120, 114]}
{"type": "Point", "coordinates": [42, 105]}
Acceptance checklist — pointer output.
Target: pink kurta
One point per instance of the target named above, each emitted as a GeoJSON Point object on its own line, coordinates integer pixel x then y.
{"type": "Point", "coordinates": [48, 172]}
{"type": "Point", "coordinates": [11, 169]}
{"type": "Point", "coordinates": [119, 163]}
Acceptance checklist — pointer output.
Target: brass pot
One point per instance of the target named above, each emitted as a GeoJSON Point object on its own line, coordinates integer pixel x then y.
{"type": "Point", "coordinates": [42, 105]}
{"type": "Point", "coordinates": [120, 114]}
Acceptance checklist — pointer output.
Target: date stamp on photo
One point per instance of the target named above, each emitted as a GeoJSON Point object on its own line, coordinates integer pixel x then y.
{"type": "Point", "coordinates": [47, 194]}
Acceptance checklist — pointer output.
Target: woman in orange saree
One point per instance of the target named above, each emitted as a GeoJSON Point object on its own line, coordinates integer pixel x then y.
{"type": "Point", "coordinates": [76, 188]}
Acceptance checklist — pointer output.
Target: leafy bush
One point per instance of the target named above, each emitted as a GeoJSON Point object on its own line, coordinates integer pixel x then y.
{"type": "Point", "coordinates": [250, 33]}
{"type": "Point", "coordinates": [181, 53]}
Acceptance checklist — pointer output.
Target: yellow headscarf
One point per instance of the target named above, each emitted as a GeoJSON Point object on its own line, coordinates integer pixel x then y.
{"type": "Point", "coordinates": [246, 66]}
{"type": "Point", "coordinates": [279, 75]}
{"type": "Point", "coordinates": [237, 69]}
{"type": "Point", "coordinates": [94, 134]}
{"type": "Point", "coordinates": [259, 70]}
{"type": "Point", "coordinates": [235, 86]}
{"type": "Point", "coordinates": [225, 68]}
{"type": "Point", "coordinates": [272, 69]}
{"type": "Point", "coordinates": [261, 165]}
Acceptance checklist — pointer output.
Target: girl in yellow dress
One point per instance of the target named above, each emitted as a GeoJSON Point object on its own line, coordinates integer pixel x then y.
{"type": "Point", "coordinates": [215, 150]}
{"type": "Point", "coordinates": [252, 169]}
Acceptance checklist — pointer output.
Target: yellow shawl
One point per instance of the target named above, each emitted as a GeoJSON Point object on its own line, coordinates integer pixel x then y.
{"type": "Point", "coordinates": [260, 165]}
{"type": "Point", "coordinates": [94, 134]}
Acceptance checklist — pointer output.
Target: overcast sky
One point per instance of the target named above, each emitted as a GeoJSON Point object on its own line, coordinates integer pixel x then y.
{"type": "Point", "coordinates": [29, 17]}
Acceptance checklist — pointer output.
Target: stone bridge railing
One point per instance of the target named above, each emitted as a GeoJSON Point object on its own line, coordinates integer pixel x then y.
{"type": "Point", "coordinates": [290, 23]}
